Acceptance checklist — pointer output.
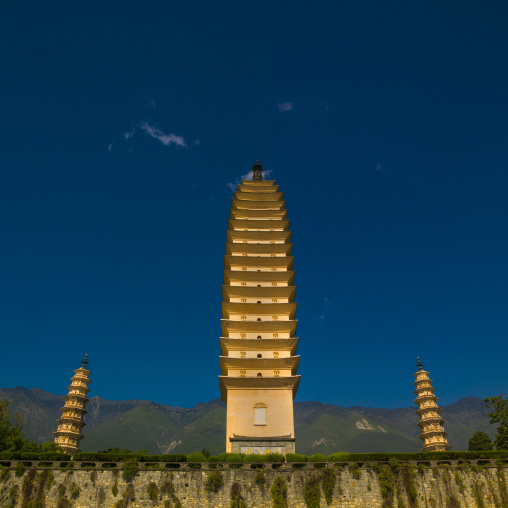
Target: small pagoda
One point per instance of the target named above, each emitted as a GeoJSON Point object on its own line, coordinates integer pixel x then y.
{"type": "Point", "coordinates": [431, 424]}
{"type": "Point", "coordinates": [70, 425]}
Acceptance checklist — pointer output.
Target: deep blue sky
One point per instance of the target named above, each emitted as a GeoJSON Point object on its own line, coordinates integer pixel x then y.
{"type": "Point", "coordinates": [385, 125]}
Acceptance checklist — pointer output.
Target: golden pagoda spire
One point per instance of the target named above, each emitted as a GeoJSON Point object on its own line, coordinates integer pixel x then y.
{"type": "Point", "coordinates": [70, 425]}
{"type": "Point", "coordinates": [258, 360]}
{"type": "Point", "coordinates": [431, 424]}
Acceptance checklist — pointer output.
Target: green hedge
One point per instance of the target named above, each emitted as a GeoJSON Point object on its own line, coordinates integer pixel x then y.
{"type": "Point", "coordinates": [317, 457]}
{"type": "Point", "coordinates": [34, 456]}
{"type": "Point", "coordinates": [269, 457]}
{"type": "Point", "coordinates": [231, 457]}
{"type": "Point", "coordinates": [124, 457]}
{"type": "Point", "coordinates": [296, 457]}
{"type": "Point", "coordinates": [385, 457]}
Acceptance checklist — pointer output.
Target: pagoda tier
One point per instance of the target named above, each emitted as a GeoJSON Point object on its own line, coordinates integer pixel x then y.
{"type": "Point", "coordinates": [280, 347]}
{"type": "Point", "coordinates": [258, 378]}
{"type": "Point", "coordinates": [252, 294]}
{"type": "Point", "coordinates": [250, 224]}
{"type": "Point", "coordinates": [258, 237]}
{"type": "Point", "coordinates": [262, 249]}
{"type": "Point", "coordinates": [242, 214]}
{"type": "Point", "coordinates": [285, 383]}
{"type": "Point", "coordinates": [266, 185]}
{"type": "Point", "coordinates": [260, 195]}
{"type": "Point", "coordinates": [431, 424]}
{"type": "Point", "coordinates": [259, 311]}
{"type": "Point", "coordinates": [254, 329]}
{"type": "Point", "coordinates": [258, 279]}
{"type": "Point", "coordinates": [258, 263]}
{"type": "Point", "coordinates": [257, 205]}
{"type": "Point", "coordinates": [71, 423]}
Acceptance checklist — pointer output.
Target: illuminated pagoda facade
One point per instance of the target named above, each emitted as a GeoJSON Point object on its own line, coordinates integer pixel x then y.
{"type": "Point", "coordinates": [431, 424]}
{"type": "Point", "coordinates": [70, 425]}
{"type": "Point", "coordinates": [258, 378]}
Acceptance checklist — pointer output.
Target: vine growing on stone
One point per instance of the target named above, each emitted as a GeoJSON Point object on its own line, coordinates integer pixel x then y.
{"type": "Point", "coordinates": [214, 481]}
{"type": "Point", "coordinates": [328, 484]}
{"type": "Point", "coordinates": [408, 478]}
{"type": "Point", "coordinates": [279, 491]}
{"type": "Point", "coordinates": [236, 498]}
{"type": "Point", "coordinates": [312, 492]}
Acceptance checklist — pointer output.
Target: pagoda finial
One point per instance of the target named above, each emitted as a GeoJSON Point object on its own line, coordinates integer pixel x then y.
{"type": "Point", "coordinates": [419, 364]}
{"type": "Point", "coordinates": [257, 171]}
{"type": "Point", "coordinates": [84, 363]}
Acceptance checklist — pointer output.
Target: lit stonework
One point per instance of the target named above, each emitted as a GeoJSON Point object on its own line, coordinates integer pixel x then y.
{"type": "Point", "coordinates": [72, 422]}
{"type": "Point", "coordinates": [258, 364]}
{"type": "Point", "coordinates": [433, 434]}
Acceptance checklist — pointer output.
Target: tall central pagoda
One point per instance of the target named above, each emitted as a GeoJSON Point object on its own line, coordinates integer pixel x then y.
{"type": "Point", "coordinates": [258, 378]}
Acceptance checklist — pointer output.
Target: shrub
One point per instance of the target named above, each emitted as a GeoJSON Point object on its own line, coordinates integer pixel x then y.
{"type": "Point", "coordinates": [124, 457]}
{"type": "Point", "coordinates": [50, 479]}
{"type": "Point", "coordinates": [279, 492]}
{"type": "Point", "coordinates": [213, 459]}
{"type": "Point", "coordinates": [153, 491]}
{"type": "Point", "coordinates": [260, 478]}
{"type": "Point", "coordinates": [114, 489]}
{"type": "Point", "coordinates": [355, 470]}
{"type": "Point", "coordinates": [129, 470]}
{"type": "Point", "coordinates": [296, 457]}
{"type": "Point", "coordinates": [328, 484]}
{"type": "Point", "coordinates": [419, 456]}
{"type": "Point", "coordinates": [74, 491]}
{"type": "Point", "coordinates": [231, 457]}
{"type": "Point", "coordinates": [4, 474]}
{"type": "Point", "coordinates": [339, 457]}
{"type": "Point", "coordinates": [267, 457]}
{"type": "Point", "coordinates": [196, 457]}
{"type": "Point", "coordinates": [275, 457]}
{"type": "Point", "coordinates": [20, 469]}
{"type": "Point", "coordinates": [167, 488]}
{"type": "Point", "coordinates": [312, 492]}
{"type": "Point", "coordinates": [394, 463]}
{"type": "Point", "coordinates": [408, 479]}
{"type": "Point", "coordinates": [63, 502]}
{"type": "Point", "coordinates": [236, 498]}
{"type": "Point", "coordinates": [214, 481]}
{"type": "Point", "coordinates": [317, 457]}
{"type": "Point", "coordinates": [50, 456]}
{"type": "Point", "coordinates": [387, 485]}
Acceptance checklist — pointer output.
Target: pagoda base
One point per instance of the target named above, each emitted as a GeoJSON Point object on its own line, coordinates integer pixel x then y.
{"type": "Point", "coordinates": [262, 445]}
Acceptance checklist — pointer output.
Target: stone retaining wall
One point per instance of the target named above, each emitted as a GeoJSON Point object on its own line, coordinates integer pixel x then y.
{"type": "Point", "coordinates": [430, 484]}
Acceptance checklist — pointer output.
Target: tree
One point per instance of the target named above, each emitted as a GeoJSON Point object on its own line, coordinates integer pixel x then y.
{"type": "Point", "coordinates": [480, 442]}
{"type": "Point", "coordinates": [205, 452]}
{"type": "Point", "coordinates": [499, 415]}
{"type": "Point", "coordinates": [11, 429]}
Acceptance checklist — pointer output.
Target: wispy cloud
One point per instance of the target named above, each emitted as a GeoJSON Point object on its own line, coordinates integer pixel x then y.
{"type": "Point", "coordinates": [110, 146]}
{"type": "Point", "coordinates": [248, 176]}
{"type": "Point", "coordinates": [129, 134]}
{"type": "Point", "coordinates": [326, 308]}
{"type": "Point", "coordinates": [151, 104]}
{"type": "Point", "coordinates": [165, 139]}
{"type": "Point", "coordinates": [285, 106]}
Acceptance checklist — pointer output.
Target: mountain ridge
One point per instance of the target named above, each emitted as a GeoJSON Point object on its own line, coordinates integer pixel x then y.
{"type": "Point", "coordinates": [319, 426]}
